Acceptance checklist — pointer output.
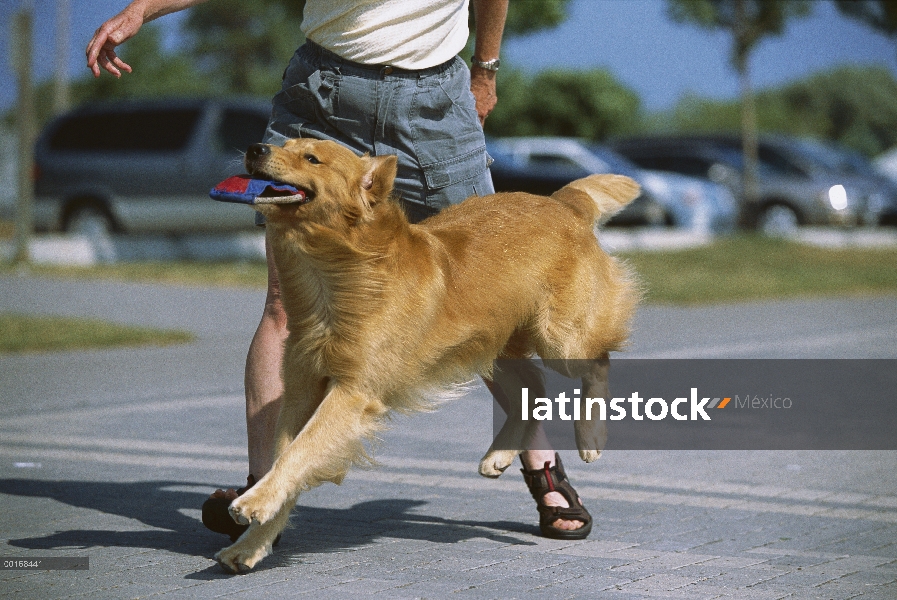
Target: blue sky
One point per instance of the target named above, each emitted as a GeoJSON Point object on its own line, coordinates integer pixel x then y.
{"type": "Point", "coordinates": [659, 59]}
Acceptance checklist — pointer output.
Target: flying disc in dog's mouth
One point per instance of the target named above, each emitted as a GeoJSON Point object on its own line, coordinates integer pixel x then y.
{"type": "Point", "coordinates": [245, 189]}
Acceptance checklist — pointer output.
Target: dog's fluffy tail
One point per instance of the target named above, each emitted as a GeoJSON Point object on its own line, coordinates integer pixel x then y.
{"type": "Point", "coordinates": [598, 197]}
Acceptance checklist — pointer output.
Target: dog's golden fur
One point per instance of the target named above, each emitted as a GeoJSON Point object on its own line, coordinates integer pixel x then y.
{"type": "Point", "coordinates": [382, 312]}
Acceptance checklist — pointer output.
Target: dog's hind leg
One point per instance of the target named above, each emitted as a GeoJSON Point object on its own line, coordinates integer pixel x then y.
{"type": "Point", "coordinates": [322, 451]}
{"type": "Point", "coordinates": [516, 435]}
{"type": "Point", "coordinates": [591, 435]}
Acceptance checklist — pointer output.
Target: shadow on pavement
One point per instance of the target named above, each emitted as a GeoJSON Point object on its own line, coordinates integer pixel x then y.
{"type": "Point", "coordinates": [313, 530]}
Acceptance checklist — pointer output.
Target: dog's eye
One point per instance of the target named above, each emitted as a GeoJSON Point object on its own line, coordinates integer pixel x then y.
{"type": "Point", "coordinates": [312, 159]}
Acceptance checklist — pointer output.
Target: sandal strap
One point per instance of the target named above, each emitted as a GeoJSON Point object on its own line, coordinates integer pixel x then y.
{"type": "Point", "coordinates": [250, 481]}
{"type": "Point", "coordinates": [554, 479]}
{"type": "Point", "coordinates": [549, 479]}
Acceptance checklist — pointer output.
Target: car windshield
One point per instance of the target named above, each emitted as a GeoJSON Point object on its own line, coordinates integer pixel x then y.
{"type": "Point", "coordinates": [616, 163]}
{"type": "Point", "coordinates": [820, 155]}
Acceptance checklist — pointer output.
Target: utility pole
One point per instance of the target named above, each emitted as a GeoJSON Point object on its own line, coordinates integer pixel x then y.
{"type": "Point", "coordinates": [61, 98]}
{"type": "Point", "coordinates": [21, 57]}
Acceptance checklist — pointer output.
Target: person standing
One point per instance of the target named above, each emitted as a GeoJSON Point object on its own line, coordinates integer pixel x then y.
{"type": "Point", "coordinates": [381, 77]}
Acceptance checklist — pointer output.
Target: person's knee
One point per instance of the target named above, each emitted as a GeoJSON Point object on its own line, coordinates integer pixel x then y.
{"type": "Point", "coordinates": [274, 313]}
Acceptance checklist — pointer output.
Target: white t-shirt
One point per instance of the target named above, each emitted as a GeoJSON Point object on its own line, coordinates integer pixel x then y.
{"type": "Point", "coordinates": [409, 34]}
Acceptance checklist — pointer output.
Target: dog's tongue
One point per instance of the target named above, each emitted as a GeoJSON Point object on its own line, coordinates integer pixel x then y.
{"type": "Point", "coordinates": [246, 189]}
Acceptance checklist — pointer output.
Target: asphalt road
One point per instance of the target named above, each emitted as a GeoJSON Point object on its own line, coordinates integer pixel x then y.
{"type": "Point", "coordinates": [109, 454]}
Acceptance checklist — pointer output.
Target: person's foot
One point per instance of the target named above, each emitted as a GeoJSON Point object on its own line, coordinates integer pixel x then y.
{"type": "Point", "coordinates": [544, 474]}
{"type": "Point", "coordinates": [215, 515]}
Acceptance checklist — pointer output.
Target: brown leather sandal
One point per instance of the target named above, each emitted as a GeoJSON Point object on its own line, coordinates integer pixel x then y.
{"type": "Point", "coordinates": [216, 517]}
{"type": "Point", "coordinates": [553, 479]}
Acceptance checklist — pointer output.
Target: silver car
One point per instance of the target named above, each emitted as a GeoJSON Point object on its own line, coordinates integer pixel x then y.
{"type": "Point", "coordinates": [795, 186]}
{"type": "Point", "coordinates": [542, 165]}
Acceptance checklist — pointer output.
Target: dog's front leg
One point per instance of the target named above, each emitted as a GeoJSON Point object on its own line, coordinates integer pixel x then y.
{"type": "Point", "coordinates": [323, 451]}
{"type": "Point", "coordinates": [591, 436]}
{"type": "Point", "coordinates": [255, 543]}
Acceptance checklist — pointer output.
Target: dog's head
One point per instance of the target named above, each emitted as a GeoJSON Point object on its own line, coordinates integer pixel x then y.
{"type": "Point", "coordinates": [341, 188]}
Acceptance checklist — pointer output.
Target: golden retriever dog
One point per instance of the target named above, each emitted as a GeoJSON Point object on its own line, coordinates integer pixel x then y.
{"type": "Point", "coordinates": [381, 313]}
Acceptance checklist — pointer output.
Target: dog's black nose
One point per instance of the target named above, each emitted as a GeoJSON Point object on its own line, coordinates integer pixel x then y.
{"type": "Point", "coordinates": [256, 151]}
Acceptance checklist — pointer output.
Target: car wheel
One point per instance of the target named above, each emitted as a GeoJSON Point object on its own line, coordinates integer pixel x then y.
{"type": "Point", "coordinates": [90, 221]}
{"type": "Point", "coordinates": [778, 219]}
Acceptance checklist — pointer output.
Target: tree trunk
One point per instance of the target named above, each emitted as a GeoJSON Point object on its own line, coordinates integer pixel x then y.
{"type": "Point", "coordinates": [749, 143]}
{"type": "Point", "coordinates": [749, 179]}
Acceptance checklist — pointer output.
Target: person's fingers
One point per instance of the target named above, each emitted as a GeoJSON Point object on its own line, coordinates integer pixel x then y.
{"type": "Point", "coordinates": [107, 63]}
{"type": "Point", "coordinates": [96, 44]}
{"type": "Point", "coordinates": [117, 61]}
{"type": "Point", "coordinates": [101, 48]}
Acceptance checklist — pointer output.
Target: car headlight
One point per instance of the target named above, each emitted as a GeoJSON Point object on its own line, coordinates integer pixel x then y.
{"type": "Point", "coordinates": [837, 197]}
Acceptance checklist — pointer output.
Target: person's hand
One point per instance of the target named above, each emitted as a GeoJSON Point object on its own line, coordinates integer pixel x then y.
{"type": "Point", "coordinates": [482, 84]}
{"type": "Point", "coordinates": [101, 49]}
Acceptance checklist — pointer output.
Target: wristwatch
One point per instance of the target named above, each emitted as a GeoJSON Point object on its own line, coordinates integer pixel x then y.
{"type": "Point", "coordinates": [489, 65]}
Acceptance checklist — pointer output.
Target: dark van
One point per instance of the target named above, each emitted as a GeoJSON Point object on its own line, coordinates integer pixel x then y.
{"type": "Point", "coordinates": [144, 166]}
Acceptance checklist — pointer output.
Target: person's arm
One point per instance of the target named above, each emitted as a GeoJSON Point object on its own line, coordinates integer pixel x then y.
{"type": "Point", "coordinates": [490, 19]}
{"type": "Point", "coordinates": [123, 26]}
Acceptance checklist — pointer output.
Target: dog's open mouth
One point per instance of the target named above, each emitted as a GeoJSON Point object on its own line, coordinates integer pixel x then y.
{"type": "Point", "coordinates": [246, 189]}
{"type": "Point", "coordinates": [282, 193]}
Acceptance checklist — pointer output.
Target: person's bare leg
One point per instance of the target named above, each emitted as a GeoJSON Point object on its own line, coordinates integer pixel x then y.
{"type": "Point", "coordinates": [536, 459]}
{"type": "Point", "coordinates": [264, 385]}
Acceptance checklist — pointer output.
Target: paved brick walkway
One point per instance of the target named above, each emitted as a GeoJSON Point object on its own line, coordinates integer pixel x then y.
{"type": "Point", "coordinates": [109, 454]}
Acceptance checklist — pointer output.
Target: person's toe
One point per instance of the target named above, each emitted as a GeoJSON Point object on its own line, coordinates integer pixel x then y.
{"type": "Point", "coordinates": [555, 499]}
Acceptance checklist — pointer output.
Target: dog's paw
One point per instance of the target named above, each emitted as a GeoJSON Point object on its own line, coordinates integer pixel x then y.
{"type": "Point", "coordinates": [495, 462]}
{"type": "Point", "coordinates": [591, 438]}
{"type": "Point", "coordinates": [241, 557]}
{"type": "Point", "coordinates": [253, 506]}
{"type": "Point", "coordinates": [590, 455]}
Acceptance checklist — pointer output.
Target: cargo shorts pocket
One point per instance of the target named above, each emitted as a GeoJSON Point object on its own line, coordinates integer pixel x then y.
{"type": "Point", "coordinates": [456, 179]}
{"type": "Point", "coordinates": [304, 108]}
{"type": "Point", "coordinates": [443, 121]}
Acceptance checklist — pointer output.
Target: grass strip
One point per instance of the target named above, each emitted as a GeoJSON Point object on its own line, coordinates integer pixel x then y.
{"type": "Point", "coordinates": [196, 273]}
{"type": "Point", "coordinates": [733, 269]}
{"type": "Point", "coordinates": [29, 333]}
{"type": "Point", "coordinates": [752, 268]}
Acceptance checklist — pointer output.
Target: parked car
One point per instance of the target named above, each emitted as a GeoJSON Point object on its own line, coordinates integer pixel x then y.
{"type": "Point", "coordinates": [144, 166]}
{"type": "Point", "coordinates": [882, 205]}
{"type": "Point", "coordinates": [544, 165]}
{"type": "Point", "coordinates": [794, 187]}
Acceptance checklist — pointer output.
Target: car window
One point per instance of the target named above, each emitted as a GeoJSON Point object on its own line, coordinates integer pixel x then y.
{"type": "Point", "coordinates": [690, 165]}
{"type": "Point", "coordinates": [151, 130]}
{"type": "Point", "coordinates": [551, 160]}
{"type": "Point", "coordinates": [557, 165]}
{"type": "Point", "coordinates": [615, 163]}
{"type": "Point", "coordinates": [773, 161]}
{"type": "Point", "coordinates": [239, 129]}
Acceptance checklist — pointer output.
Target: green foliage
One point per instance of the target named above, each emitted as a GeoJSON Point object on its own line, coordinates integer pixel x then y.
{"type": "Point", "coordinates": [748, 21]}
{"type": "Point", "coordinates": [245, 46]}
{"type": "Point", "coordinates": [880, 15]}
{"type": "Point", "coordinates": [855, 106]}
{"type": "Point", "coordinates": [156, 73]}
{"type": "Point", "coordinates": [527, 16]}
{"type": "Point", "coordinates": [586, 104]}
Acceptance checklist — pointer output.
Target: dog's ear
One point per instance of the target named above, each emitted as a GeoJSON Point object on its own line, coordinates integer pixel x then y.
{"type": "Point", "coordinates": [377, 182]}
